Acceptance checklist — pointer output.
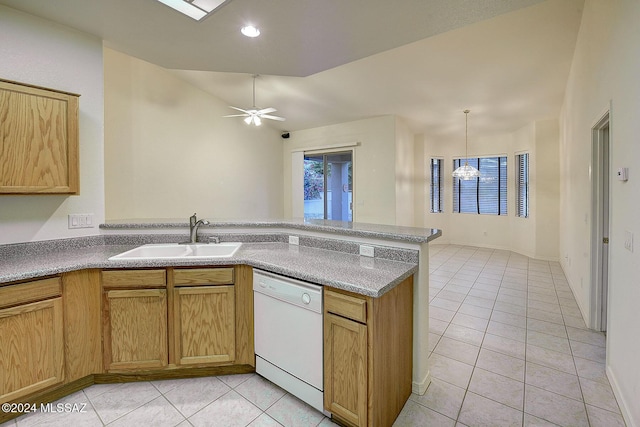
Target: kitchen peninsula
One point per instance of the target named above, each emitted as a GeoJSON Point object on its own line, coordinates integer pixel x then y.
{"type": "Point", "coordinates": [76, 274]}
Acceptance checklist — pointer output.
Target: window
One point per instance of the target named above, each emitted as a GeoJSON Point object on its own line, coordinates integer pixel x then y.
{"type": "Point", "coordinates": [522, 185]}
{"type": "Point", "coordinates": [484, 195]}
{"type": "Point", "coordinates": [436, 185]}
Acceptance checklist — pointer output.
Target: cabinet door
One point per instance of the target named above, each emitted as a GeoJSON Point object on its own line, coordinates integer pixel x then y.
{"type": "Point", "coordinates": [38, 140]}
{"type": "Point", "coordinates": [135, 329]}
{"type": "Point", "coordinates": [32, 348]}
{"type": "Point", "coordinates": [204, 322]}
{"type": "Point", "coordinates": [345, 364]}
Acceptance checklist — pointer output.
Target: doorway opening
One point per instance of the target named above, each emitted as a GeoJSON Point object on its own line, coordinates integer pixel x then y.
{"type": "Point", "coordinates": [600, 227]}
{"type": "Point", "coordinates": [328, 186]}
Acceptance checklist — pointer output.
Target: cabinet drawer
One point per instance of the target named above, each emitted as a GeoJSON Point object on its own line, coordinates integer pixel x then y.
{"type": "Point", "coordinates": [31, 291]}
{"type": "Point", "coordinates": [348, 306]}
{"type": "Point", "coordinates": [203, 276]}
{"type": "Point", "coordinates": [115, 279]}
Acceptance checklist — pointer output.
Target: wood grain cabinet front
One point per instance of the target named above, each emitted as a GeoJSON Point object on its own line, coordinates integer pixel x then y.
{"type": "Point", "coordinates": [135, 329]}
{"type": "Point", "coordinates": [38, 140]}
{"type": "Point", "coordinates": [178, 317]}
{"type": "Point", "coordinates": [345, 364]}
{"type": "Point", "coordinates": [134, 320]}
{"type": "Point", "coordinates": [204, 324]}
{"type": "Point", "coordinates": [203, 315]}
{"type": "Point", "coordinates": [368, 350]}
{"type": "Point", "coordinates": [31, 337]}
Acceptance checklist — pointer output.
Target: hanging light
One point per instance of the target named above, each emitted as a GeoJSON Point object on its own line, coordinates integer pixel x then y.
{"type": "Point", "coordinates": [466, 171]}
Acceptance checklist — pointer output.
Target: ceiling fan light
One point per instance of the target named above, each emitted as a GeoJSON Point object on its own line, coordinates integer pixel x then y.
{"type": "Point", "coordinates": [255, 114]}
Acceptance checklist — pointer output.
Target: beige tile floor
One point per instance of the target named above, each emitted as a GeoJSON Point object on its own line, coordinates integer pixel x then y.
{"type": "Point", "coordinates": [508, 348]}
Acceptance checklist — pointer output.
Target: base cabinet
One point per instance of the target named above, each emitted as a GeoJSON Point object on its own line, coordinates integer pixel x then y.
{"type": "Point", "coordinates": [368, 351]}
{"type": "Point", "coordinates": [345, 364]}
{"type": "Point", "coordinates": [204, 316]}
{"type": "Point", "coordinates": [31, 337]}
{"type": "Point", "coordinates": [153, 319]}
{"type": "Point", "coordinates": [82, 324]}
{"type": "Point", "coordinates": [135, 329]}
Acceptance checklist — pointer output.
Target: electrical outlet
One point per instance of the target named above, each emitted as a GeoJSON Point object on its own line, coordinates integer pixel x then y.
{"type": "Point", "coordinates": [81, 220]}
{"type": "Point", "coordinates": [366, 250]}
{"type": "Point", "coordinates": [294, 240]}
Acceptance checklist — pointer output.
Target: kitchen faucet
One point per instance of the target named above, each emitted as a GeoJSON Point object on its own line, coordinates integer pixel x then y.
{"type": "Point", "coordinates": [194, 223]}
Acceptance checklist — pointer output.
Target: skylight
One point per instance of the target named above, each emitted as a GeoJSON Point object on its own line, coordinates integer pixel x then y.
{"type": "Point", "coordinates": [196, 9]}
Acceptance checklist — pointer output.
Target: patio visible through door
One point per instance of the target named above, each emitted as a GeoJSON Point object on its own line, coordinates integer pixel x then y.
{"type": "Point", "coordinates": [328, 186]}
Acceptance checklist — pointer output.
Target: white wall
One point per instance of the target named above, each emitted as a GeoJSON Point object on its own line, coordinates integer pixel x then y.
{"type": "Point", "coordinates": [169, 152]}
{"type": "Point", "coordinates": [535, 236]}
{"type": "Point", "coordinates": [605, 70]}
{"type": "Point", "coordinates": [405, 175]}
{"type": "Point", "coordinates": [546, 189]}
{"type": "Point", "coordinates": [38, 52]}
{"type": "Point", "coordinates": [374, 164]}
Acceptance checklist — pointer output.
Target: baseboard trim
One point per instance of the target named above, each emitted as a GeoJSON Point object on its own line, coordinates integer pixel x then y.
{"type": "Point", "coordinates": [622, 403]}
{"type": "Point", "coordinates": [421, 387]}
{"type": "Point", "coordinates": [169, 374]}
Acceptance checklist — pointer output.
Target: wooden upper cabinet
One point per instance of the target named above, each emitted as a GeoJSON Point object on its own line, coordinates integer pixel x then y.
{"type": "Point", "coordinates": [38, 140]}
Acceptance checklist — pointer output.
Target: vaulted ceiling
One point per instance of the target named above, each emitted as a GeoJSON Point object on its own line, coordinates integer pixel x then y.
{"type": "Point", "coordinates": [331, 61]}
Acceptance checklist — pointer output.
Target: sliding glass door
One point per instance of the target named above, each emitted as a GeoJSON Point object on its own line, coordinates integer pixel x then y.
{"type": "Point", "coordinates": [328, 186]}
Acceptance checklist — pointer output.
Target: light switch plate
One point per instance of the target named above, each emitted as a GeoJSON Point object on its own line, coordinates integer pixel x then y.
{"type": "Point", "coordinates": [81, 220]}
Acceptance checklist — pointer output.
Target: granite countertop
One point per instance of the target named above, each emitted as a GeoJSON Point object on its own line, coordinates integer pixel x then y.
{"type": "Point", "coordinates": [353, 229]}
{"type": "Point", "coordinates": [367, 276]}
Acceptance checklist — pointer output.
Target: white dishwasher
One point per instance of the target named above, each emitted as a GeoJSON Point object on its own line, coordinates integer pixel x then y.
{"type": "Point", "coordinates": [288, 335]}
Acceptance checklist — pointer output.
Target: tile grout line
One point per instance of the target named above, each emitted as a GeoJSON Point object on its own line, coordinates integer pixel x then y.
{"type": "Point", "coordinates": [526, 338]}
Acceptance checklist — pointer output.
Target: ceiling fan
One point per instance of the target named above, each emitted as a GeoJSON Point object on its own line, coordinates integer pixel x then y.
{"type": "Point", "coordinates": [254, 114]}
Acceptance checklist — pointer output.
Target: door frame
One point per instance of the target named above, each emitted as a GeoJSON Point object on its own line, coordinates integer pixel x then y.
{"type": "Point", "coordinates": [338, 150]}
{"type": "Point", "coordinates": [297, 174]}
{"type": "Point", "coordinates": [600, 214]}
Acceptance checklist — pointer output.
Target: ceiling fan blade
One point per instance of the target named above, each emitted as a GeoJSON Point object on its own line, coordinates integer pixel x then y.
{"type": "Point", "coordinates": [266, 110]}
{"type": "Point", "coordinates": [267, 116]}
{"type": "Point", "coordinates": [237, 115]}
{"type": "Point", "coordinates": [239, 109]}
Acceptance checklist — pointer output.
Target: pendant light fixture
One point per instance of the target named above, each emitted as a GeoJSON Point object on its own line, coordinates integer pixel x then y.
{"type": "Point", "coordinates": [466, 171]}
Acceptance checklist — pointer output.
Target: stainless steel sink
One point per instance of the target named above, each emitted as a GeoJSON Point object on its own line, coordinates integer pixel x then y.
{"type": "Point", "coordinates": [179, 251]}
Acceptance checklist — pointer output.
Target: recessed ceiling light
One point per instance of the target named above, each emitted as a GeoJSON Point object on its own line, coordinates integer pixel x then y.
{"type": "Point", "coordinates": [250, 31]}
{"type": "Point", "coordinates": [196, 9]}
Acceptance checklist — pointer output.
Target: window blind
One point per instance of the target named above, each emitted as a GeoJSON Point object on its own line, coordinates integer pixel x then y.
{"type": "Point", "coordinates": [436, 185]}
{"type": "Point", "coordinates": [522, 185]}
{"type": "Point", "coordinates": [484, 195]}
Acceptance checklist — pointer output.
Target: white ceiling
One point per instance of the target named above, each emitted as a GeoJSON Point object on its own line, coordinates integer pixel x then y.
{"type": "Point", "coordinates": [330, 61]}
